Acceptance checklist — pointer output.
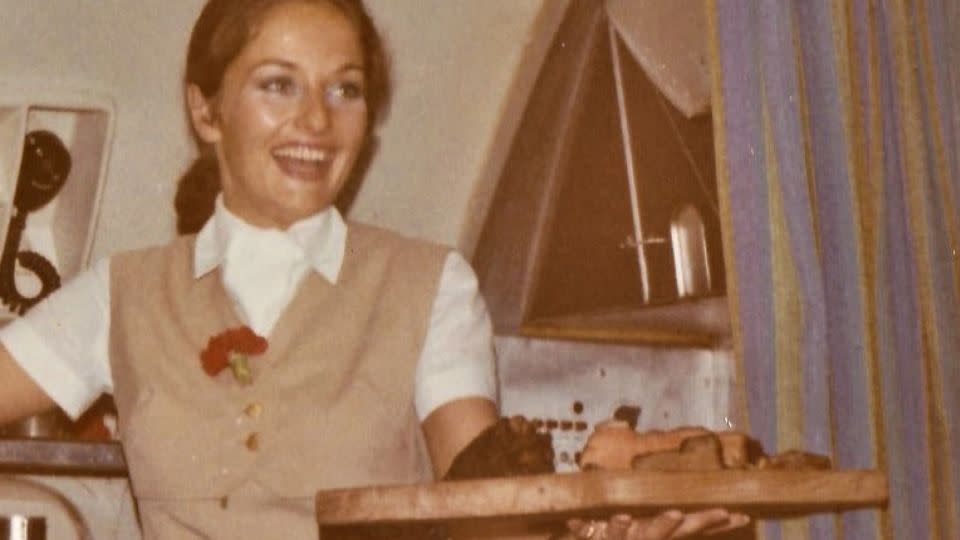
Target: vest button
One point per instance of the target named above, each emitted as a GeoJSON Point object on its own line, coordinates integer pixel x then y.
{"type": "Point", "coordinates": [253, 442]}
{"type": "Point", "coordinates": [253, 410]}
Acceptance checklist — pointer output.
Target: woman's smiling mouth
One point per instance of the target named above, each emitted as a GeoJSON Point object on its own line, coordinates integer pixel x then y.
{"type": "Point", "coordinates": [304, 162]}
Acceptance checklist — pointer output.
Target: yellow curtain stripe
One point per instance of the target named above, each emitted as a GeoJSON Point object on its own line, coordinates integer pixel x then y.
{"type": "Point", "coordinates": [941, 174]}
{"type": "Point", "coordinates": [723, 194]}
{"type": "Point", "coordinates": [872, 200]}
{"type": "Point", "coordinates": [911, 141]}
{"type": "Point", "coordinates": [859, 167]}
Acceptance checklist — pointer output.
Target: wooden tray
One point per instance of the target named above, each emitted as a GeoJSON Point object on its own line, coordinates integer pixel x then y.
{"type": "Point", "coordinates": [759, 493]}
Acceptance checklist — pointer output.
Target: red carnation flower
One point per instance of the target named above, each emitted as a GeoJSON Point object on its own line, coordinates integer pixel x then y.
{"type": "Point", "coordinates": [231, 348]}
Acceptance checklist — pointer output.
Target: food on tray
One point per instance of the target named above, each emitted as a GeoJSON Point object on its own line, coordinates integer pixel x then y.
{"type": "Point", "coordinates": [615, 446]}
{"type": "Point", "coordinates": [698, 453]}
{"type": "Point", "coordinates": [514, 447]}
{"type": "Point", "coordinates": [738, 451]}
{"type": "Point", "coordinates": [794, 460]}
{"type": "Point", "coordinates": [511, 447]}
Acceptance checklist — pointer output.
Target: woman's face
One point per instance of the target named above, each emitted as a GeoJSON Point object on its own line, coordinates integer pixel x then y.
{"type": "Point", "coordinates": [290, 117]}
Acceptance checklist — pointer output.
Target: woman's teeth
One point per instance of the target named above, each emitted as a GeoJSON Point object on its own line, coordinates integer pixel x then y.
{"type": "Point", "coordinates": [302, 153]}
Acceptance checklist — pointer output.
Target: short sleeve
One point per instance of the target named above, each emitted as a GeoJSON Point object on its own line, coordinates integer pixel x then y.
{"type": "Point", "coordinates": [458, 359]}
{"type": "Point", "coordinates": [62, 341]}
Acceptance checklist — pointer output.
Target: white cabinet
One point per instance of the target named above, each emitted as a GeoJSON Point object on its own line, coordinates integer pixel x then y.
{"type": "Point", "coordinates": [47, 230]}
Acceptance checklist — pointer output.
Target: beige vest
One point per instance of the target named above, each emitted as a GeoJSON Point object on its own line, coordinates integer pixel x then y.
{"type": "Point", "coordinates": [331, 404]}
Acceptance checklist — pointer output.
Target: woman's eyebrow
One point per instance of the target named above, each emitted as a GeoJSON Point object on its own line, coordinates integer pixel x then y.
{"type": "Point", "coordinates": [274, 62]}
{"type": "Point", "coordinates": [350, 66]}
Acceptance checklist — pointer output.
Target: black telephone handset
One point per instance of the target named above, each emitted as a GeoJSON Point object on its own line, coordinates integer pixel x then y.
{"type": "Point", "coordinates": [43, 171]}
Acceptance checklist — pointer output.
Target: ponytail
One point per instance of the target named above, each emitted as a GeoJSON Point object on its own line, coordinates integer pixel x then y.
{"type": "Point", "coordinates": [196, 193]}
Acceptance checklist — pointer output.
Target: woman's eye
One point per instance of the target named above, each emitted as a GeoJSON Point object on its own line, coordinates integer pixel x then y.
{"type": "Point", "coordinates": [345, 91]}
{"type": "Point", "coordinates": [279, 85]}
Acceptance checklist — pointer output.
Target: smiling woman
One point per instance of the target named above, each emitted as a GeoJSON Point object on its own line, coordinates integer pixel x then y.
{"type": "Point", "coordinates": [356, 356]}
{"type": "Point", "coordinates": [373, 361]}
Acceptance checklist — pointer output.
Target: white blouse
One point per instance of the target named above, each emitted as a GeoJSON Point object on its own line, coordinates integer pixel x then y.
{"type": "Point", "coordinates": [62, 343]}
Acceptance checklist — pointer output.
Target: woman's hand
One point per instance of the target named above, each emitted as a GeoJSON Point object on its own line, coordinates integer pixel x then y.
{"type": "Point", "coordinates": [666, 526]}
{"type": "Point", "coordinates": [612, 446]}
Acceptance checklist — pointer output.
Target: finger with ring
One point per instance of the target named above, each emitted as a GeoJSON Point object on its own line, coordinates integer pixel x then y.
{"type": "Point", "coordinates": [593, 531]}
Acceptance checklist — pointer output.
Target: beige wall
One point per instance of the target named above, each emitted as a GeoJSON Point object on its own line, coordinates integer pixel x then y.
{"type": "Point", "coordinates": [130, 50]}
{"type": "Point", "coordinates": [458, 91]}
{"type": "Point", "coordinates": [455, 64]}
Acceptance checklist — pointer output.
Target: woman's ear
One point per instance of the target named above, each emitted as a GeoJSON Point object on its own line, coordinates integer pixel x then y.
{"type": "Point", "coordinates": [202, 115]}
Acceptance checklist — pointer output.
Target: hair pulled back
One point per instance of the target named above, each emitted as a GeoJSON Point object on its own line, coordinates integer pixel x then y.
{"type": "Point", "coordinates": [221, 32]}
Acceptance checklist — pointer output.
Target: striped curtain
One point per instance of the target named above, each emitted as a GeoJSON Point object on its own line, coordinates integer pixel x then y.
{"type": "Point", "coordinates": [838, 128]}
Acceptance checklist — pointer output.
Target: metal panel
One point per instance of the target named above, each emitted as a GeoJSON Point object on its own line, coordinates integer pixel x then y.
{"type": "Point", "coordinates": [569, 382]}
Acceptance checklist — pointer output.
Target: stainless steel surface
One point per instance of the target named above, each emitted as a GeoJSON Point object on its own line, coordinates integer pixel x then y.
{"type": "Point", "coordinates": [30, 497]}
{"type": "Point", "coordinates": [572, 386]}
{"type": "Point", "coordinates": [20, 527]}
{"type": "Point", "coordinates": [690, 258]}
{"type": "Point", "coordinates": [61, 457]}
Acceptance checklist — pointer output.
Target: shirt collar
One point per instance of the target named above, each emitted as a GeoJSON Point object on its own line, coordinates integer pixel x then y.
{"type": "Point", "coordinates": [322, 237]}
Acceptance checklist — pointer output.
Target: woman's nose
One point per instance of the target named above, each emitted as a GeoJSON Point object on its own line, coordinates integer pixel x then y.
{"type": "Point", "coordinates": [314, 114]}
